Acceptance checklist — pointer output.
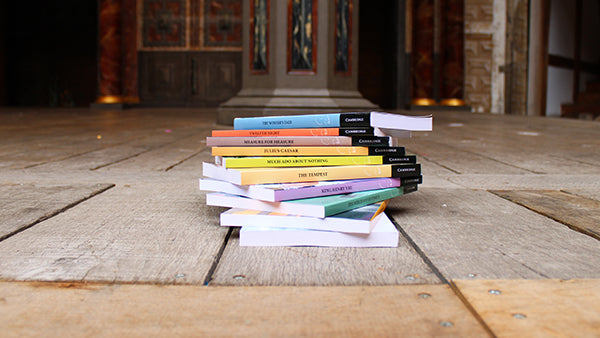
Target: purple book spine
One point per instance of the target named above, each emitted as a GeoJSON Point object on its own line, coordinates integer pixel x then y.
{"type": "Point", "coordinates": [338, 188]}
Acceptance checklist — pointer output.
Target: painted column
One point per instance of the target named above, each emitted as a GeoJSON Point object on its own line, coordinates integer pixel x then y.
{"type": "Point", "coordinates": [129, 66]}
{"type": "Point", "coordinates": [452, 53]}
{"type": "Point", "coordinates": [117, 52]}
{"type": "Point", "coordinates": [422, 69]}
{"type": "Point", "coordinates": [109, 63]}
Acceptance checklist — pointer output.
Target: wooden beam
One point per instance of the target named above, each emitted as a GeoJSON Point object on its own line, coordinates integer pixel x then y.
{"type": "Point", "coordinates": [117, 310]}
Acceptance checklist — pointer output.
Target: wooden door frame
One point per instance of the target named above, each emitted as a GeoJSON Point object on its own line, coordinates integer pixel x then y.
{"type": "Point", "coordinates": [537, 83]}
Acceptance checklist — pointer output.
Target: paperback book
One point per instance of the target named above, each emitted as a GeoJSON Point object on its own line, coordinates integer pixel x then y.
{"type": "Point", "coordinates": [291, 191]}
{"type": "Point", "coordinates": [383, 234]}
{"type": "Point", "coordinates": [249, 141]}
{"type": "Point", "coordinates": [310, 161]}
{"type": "Point", "coordinates": [356, 131]}
{"type": "Point", "coordinates": [246, 176]}
{"type": "Point", "coordinates": [307, 151]}
{"type": "Point", "coordinates": [336, 120]}
{"type": "Point", "coordinates": [315, 206]}
{"type": "Point", "coordinates": [359, 220]}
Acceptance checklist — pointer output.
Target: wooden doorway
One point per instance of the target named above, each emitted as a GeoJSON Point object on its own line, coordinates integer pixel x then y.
{"type": "Point", "coordinates": [379, 53]}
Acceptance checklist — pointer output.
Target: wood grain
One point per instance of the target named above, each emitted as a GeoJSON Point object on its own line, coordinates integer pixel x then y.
{"type": "Point", "coordinates": [535, 308]}
{"type": "Point", "coordinates": [537, 145]}
{"type": "Point", "coordinates": [138, 232]}
{"type": "Point", "coordinates": [578, 213]}
{"type": "Point", "coordinates": [24, 205]}
{"type": "Point", "coordinates": [113, 310]}
{"type": "Point", "coordinates": [527, 182]}
{"type": "Point", "coordinates": [476, 234]}
{"type": "Point", "coordinates": [166, 156]}
{"type": "Point", "coordinates": [309, 266]}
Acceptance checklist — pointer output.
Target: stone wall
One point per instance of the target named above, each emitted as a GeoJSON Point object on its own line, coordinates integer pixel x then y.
{"type": "Point", "coordinates": [485, 52]}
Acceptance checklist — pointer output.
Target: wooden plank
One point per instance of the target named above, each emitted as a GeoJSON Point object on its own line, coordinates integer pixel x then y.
{"type": "Point", "coordinates": [543, 145]}
{"type": "Point", "coordinates": [527, 182]}
{"type": "Point", "coordinates": [588, 191]}
{"type": "Point", "coordinates": [109, 310]}
{"type": "Point", "coordinates": [578, 213]}
{"type": "Point", "coordinates": [308, 266]}
{"type": "Point", "coordinates": [90, 155]}
{"type": "Point", "coordinates": [459, 161]}
{"type": "Point", "coordinates": [24, 205]}
{"type": "Point", "coordinates": [535, 308]}
{"type": "Point", "coordinates": [60, 136]}
{"type": "Point", "coordinates": [475, 234]}
{"type": "Point", "coordinates": [158, 231]}
{"type": "Point", "coordinates": [166, 157]}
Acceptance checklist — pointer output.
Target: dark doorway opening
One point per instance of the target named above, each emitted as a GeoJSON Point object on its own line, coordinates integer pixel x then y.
{"type": "Point", "coordinates": [49, 53]}
{"type": "Point", "coordinates": [378, 52]}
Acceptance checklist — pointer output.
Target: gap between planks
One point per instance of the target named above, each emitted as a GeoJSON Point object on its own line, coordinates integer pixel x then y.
{"type": "Point", "coordinates": [102, 189]}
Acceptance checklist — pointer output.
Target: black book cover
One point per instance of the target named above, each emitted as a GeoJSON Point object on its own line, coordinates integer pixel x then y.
{"type": "Point", "coordinates": [357, 131]}
{"type": "Point", "coordinates": [369, 141]}
{"type": "Point", "coordinates": [406, 170]}
{"type": "Point", "coordinates": [355, 119]}
{"type": "Point", "coordinates": [392, 159]}
{"type": "Point", "coordinates": [397, 151]}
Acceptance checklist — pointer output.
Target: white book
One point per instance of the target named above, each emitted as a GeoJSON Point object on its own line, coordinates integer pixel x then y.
{"type": "Point", "coordinates": [384, 234]}
{"type": "Point", "coordinates": [290, 191]}
{"type": "Point", "coordinates": [315, 206]}
{"type": "Point", "coordinates": [359, 220]}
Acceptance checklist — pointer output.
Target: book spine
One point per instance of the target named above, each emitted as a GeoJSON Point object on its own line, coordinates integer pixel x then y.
{"type": "Point", "coordinates": [405, 170]}
{"type": "Point", "coordinates": [391, 159]}
{"type": "Point", "coordinates": [288, 122]}
{"type": "Point", "coordinates": [299, 141]}
{"type": "Point", "coordinates": [372, 141]}
{"type": "Point", "coordinates": [279, 141]}
{"type": "Point", "coordinates": [355, 120]}
{"type": "Point", "coordinates": [362, 200]}
{"type": "Point", "coordinates": [349, 131]}
{"type": "Point", "coordinates": [309, 174]}
{"type": "Point", "coordinates": [291, 151]}
{"type": "Point", "coordinates": [414, 180]}
{"type": "Point", "coordinates": [343, 187]}
{"type": "Point", "coordinates": [302, 161]}
{"type": "Point", "coordinates": [410, 188]}
{"type": "Point", "coordinates": [397, 151]}
{"type": "Point", "coordinates": [357, 131]}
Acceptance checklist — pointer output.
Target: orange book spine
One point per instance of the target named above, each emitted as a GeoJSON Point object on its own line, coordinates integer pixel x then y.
{"type": "Point", "coordinates": [277, 132]}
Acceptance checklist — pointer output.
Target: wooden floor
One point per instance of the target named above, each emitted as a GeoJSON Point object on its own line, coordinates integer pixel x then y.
{"type": "Point", "coordinates": [103, 231]}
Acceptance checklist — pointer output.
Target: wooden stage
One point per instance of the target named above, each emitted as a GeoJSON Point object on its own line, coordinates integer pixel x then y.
{"type": "Point", "coordinates": [104, 232]}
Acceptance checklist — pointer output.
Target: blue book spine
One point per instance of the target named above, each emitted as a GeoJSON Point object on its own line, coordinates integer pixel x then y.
{"type": "Point", "coordinates": [288, 122]}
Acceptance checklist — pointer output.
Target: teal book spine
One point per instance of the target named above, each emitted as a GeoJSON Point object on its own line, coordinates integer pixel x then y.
{"type": "Point", "coordinates": [288, 122]}
{"type": "Point", "coordinates": [336, 204]}
{"type": "Point", "coordinates": [333, 120]}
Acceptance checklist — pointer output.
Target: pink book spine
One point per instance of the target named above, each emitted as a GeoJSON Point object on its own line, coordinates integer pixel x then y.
{"type": "Point", "coordinates": [279, 141]}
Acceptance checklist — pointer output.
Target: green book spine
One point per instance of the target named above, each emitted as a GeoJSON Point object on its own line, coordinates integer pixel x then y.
{"type": "Point", "coordinates": [339, 203]}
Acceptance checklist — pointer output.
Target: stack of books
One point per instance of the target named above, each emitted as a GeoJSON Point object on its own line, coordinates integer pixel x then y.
{"type": "Point", "coordinates": [313, 180]}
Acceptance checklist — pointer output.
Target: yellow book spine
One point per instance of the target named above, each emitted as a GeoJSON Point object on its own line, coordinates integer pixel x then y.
{"type": "Point", "coordinates": [290, 151]}
{"type": "Point", "coordinates": [304, 161]}
{"type": "Point", "coordinates": [308, 174]}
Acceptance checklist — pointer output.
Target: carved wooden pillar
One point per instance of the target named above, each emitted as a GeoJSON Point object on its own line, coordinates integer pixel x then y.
{"type": "Point", "coordinates": [117, 64]}
{"type": "Point", "coordinates": [299, 56]}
